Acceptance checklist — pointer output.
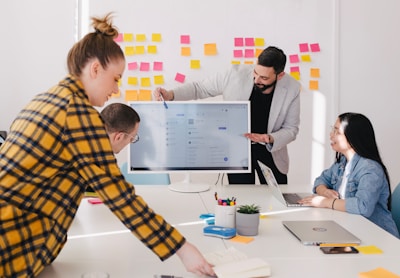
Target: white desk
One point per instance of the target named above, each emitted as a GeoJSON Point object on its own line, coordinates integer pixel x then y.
{"type": "Point", "coordinates": [120, 254]}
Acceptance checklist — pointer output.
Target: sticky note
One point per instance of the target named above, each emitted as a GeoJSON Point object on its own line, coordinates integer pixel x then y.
{"type": "Point", "coordinates": [259, 42]}
{"type": "Point", "coordinates": [119, 38]}
{"type": "Point", "coordinates": [140, 37]}
{"type": "Point", "coordinates": [185, 39]}
{"type": "Point", "coordinates": [129, 50]}
{"type": "Point", "coordinates": [306, 58]}
{"type": "Point", "coordinates": [314, 85]}
{"type": "Point", "coordinates": [131, 95]}
{"type": "Point", "coordinates": [152, 49]}
{"type": "Point", "coordinates": [158, 79]}
{"type": "Point", "coordinates": [210, 49]}
{"type": "Point", "coordinates": [258, 52]}
{"type": "Point", "coordinates": [139, 49]}
{"type": "Point", "coordinates": [369, 249]}
{"type": "Point", "coordinates": [128, 37]}
{"type": "Point", "coordinates": [294, 58]}
{"type": "Point", "coordinates": [238, 42]}
{"type": "Point", "coordinates": [132, 80]}
{"type": "Point", "coordinates": [185, 51]}
{"type": "Point", "coordinates": [194, 64]}
{"type": "Point", "coordinates": [249, 53]}
{"type": "Point", "coordinates": [238, 53]}
{"type": "Point", "coordinates": [180, 77]}
{"type": "Point", "coordinates": [294, 69]}
{"type": "Point", "coordinates": [144, 95]}
{"type": "Point", "coordinates": [144, 66]}
{"type": "Point", "coordinates": [249, 41]}
{"type": "Point", "coordinates": [304, 47]}
{"type": "Point", "coordinates": [145, 82]}
{"type": "Point", "coordinates": [242, 239]}
{"type": "Point", "coordinates": [315, 47]}
{"type": "Point", "coordinates": [132, 66]}
{"type": "Point", "coordinates": [248, 62]}
{"type": "Point", "coordinates": [295, 75]}
{"type": "Point", "coordinates": [235, 62]}
{"type": "Point", "coordinates": [156, 37]}
{"type": "Point", "coordinates": [314, 72]}
{"type": "Point", "coordinates": [158, 66]}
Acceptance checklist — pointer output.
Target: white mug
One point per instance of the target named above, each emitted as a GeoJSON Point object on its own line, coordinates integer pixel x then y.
{"type": "Point", "coordinates": [225, 216]}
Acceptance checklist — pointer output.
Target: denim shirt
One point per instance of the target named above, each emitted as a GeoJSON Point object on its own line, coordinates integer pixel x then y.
{"type": "Point", "coordinates": [367, 190]}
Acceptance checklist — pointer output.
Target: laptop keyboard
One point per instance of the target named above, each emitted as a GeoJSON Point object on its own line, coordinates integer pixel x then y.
{"type": "Point", "coordinates": [291, 198]}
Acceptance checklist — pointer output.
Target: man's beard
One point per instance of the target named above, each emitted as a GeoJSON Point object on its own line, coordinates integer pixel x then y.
{"type": "Point", "coordinates": [262, 87]}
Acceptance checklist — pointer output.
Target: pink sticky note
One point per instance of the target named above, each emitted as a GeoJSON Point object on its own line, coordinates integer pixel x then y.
{"type": "Point", "coordinates": [180, 77]}
{"type": "Point", "coordinates": [314, 47]}
{"type": "Point", "coordinates": [249, 41]}
{"type": "Point", "coordinates": [238, 53]}
{"type": "Point", "coordinates": [249, 53]}
{"type": "Point", "coordinates": [158, 66]}
{"type": "Point", "coordinates": [239, 42]}
{"type": "Point", "coordinates": [294, 58]}
{"type": "Point", "coordinates": [185, 39]}
{"type": "Point", "coordinates": [294, 69]}
{"type": "Point", "coordinates": [132, 66]}
{"type": "Point", "coordinates": [144, 66]}
{"type": "Point", "coordinates": [119, 38]}
{"type": "Point", "coordinates": [303, 47]}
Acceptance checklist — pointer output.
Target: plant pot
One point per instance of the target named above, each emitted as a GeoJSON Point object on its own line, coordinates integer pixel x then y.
{"type": "Point", "coordinates": [247, 224]}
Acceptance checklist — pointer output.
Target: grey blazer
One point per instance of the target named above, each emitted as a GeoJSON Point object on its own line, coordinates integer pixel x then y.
{"type": "Point", "coordinates": [236, 84]}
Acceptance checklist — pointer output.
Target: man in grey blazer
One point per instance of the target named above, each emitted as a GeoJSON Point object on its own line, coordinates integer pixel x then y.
{"type": "Point", "coordinates": [275, 108]}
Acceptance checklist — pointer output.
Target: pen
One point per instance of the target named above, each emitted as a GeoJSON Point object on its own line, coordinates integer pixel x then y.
{"type": "Point", "coordinates": [163, 100]}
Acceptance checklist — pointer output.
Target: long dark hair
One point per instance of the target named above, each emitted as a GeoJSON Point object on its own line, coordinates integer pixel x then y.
{"type": "Point", "coordinates": [361, 137]}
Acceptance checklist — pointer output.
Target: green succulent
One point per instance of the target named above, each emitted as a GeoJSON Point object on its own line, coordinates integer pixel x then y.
{"type": "Point", "coordinates": [249, 209]}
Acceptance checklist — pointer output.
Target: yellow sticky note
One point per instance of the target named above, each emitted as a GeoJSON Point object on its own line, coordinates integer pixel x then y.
{"type": "Point", "coordinates": [379, 272]}
{"type": "Point", "coordinates": [156, 37]}
{"type": "Point", "coordinates": [144, 95]}
{"type": "Point", "coordinates": [145, 82]}
{"type": "Point", "coordinates": [242, 239]}
{"type": "Point", "coordinates": [158, 80]}
{"type": "Point", "coordinates": [152, 49]}
{"type": "Point", "coordinates": [128, 37]}
{"type": "Point", "coordinates": [259, 42]}
{"type": "Point", "coordinates": [140, 49]}
{"type": "Point", "coordinates": [185, 51]}
{"type": "Point", "coordinates": [131, 95]}
{"type": "Point", "coordinates": [314, 72]}
{"type": "Point", "coordinates": [210, 49]}
{"type": "Point", "coordinates": [129, 50]}
{"type": "Point", "coordinates": [140, 37]}
{"type": "Point", "coordinates": [194, 64]}
{"type": "Point", "coordinates": [314, 85]}
{"type": "Point", "coordinates": [370, 249]}
{"type": "Point", "coordinates": [305, 58]}
{"type": "Point", "coordinates": [295, 75]}
{"type": "Point", "coordinates": [132, 80]}
{"type": "Point", "coordinates": [235, 62]}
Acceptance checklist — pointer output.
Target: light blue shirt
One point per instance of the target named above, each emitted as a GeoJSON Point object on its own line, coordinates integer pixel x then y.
{"type": "Point", "coordinates": [367, 190]}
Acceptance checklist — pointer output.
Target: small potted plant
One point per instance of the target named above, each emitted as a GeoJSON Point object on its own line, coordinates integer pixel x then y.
{"type": "Point", "coordinates": [247, 220]}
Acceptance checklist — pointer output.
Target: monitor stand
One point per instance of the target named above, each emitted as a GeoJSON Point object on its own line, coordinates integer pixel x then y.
{"type": "Point", "coordinates": [186, 186]}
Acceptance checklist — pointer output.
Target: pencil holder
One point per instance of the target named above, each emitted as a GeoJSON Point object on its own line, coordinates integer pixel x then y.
{"type": "Point", "coordinates": [225, 216]}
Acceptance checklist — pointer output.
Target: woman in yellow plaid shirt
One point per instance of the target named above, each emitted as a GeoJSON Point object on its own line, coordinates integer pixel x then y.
{"type": "Point", "coordinates": [56, 147]}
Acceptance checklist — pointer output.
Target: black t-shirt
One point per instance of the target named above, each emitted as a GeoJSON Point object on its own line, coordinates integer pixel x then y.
{"type": "Point", "coordinates": [260, 105]}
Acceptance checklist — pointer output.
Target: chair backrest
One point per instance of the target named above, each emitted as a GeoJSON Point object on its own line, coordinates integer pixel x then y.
{"type": "Point", "coordinates": [396, 206]}
{"type": "Point", "coordinates": [145, 179]}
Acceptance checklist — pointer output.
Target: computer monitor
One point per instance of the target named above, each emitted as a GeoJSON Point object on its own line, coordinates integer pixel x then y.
{"type": "Point", "coordinates": [191, 136]}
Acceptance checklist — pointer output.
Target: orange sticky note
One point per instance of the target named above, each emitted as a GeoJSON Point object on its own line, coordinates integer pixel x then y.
{"type": "Point", "coordinates": [185, 51]}
{"type": "Point", "coordinates": [378, 273]}
{"type": "Point", "coordinates": [242, 239]}
{"type": "Point", "coordinates": [314, 72]}
{"type": "Point", "coordinates": [210, 49]}
{"type": "Point", "coordinates": [131, 95]}
{"type": "Point", "coordinates": [144, 95]}
{"type": "Point", "coordinates": [314, 85]}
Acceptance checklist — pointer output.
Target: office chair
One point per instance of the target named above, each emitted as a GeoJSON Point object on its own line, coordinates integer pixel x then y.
{"type": "Point", "coordinates": [144, 178]}
{"type": "Point", "coordinates": [396, 206]}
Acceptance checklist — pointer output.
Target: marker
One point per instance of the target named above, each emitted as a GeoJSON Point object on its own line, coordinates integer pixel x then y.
{"type": "Point", "coordinates": [165, 104]}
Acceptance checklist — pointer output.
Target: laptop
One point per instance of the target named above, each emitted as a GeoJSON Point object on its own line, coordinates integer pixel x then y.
{"type": "Point", "coordinates": [288, 199]}
{"type": "Point", "coordinates": [321, 233]}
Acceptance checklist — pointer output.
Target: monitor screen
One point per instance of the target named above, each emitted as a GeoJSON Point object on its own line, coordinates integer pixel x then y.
{"type": "Point", "coordinates": [191, 136]}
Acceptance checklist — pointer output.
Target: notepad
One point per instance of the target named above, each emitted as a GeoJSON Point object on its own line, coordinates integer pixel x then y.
{"type": "Point", "coordinates": [231, 263]}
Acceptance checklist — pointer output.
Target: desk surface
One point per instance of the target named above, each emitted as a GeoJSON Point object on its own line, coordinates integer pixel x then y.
{"type": "Point", "coordinates": [99, 242]}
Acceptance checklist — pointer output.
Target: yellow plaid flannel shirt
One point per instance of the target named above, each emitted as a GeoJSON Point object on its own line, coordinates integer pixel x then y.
{"type": "Point", "coordinates": [57, 146]}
